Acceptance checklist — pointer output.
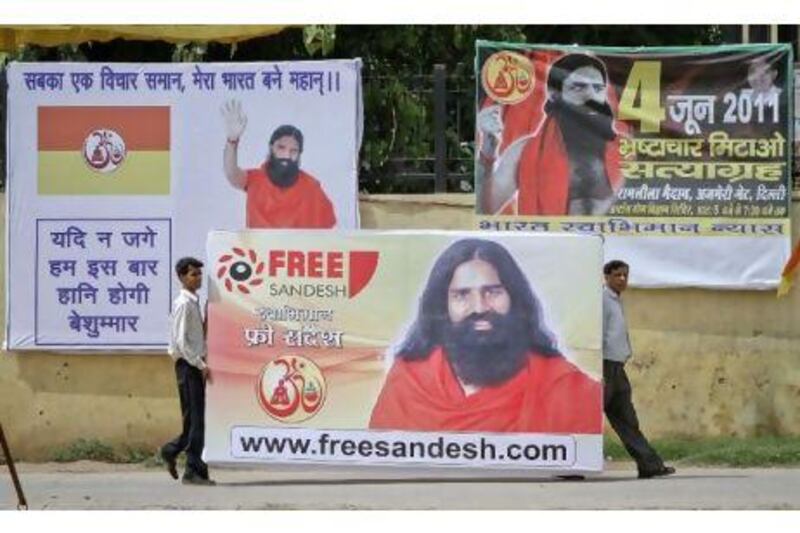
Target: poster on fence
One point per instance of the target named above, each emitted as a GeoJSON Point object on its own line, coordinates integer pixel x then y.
{"type": "Point", "coordinates": [680, 157]}
{"type": "Point", "coordinates": [117, 170]}
{"type": "Point", "coordinates": [405, 348]}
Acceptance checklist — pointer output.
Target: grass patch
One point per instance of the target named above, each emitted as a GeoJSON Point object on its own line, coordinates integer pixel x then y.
{"type": "Point", "coordinates": [95, 450]}
{"type": "Point", "coordinates": [83, 449]}
{"type": "Point", "coordinates": [720, 451]}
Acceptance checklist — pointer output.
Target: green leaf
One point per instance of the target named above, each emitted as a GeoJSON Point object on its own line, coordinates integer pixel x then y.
{"type": "Point", "coordinates": [319, 38]}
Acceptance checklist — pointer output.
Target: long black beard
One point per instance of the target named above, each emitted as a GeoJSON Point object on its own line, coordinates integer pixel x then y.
{"type": "Point", "coordinates": [486, 358]}
{"type": "Point", "coordinates": [282, 171]}
{"type": "Point", "coordinates": [586, 128]}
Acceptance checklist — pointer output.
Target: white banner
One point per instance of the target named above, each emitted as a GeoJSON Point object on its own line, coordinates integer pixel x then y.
{"type": "Point", "coordinates": [117, 170]}
{"type": "Point", "coordinates": [557, 452]}
{"type": "Point", "coordinates": [405, 347]}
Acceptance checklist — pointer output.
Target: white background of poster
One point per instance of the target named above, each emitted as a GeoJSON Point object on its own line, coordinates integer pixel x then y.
{"type": "Point", "coordinates": [705, 262]}
{"type": "Point", "coordinates": [200, 199]}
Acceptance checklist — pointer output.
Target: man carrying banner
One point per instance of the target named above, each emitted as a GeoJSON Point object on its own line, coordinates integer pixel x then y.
{"type": "Point", "coordinates": [617, 401]}
{"type": "Point", "coordinates": [570, 163]}
{"type": "Point", "coordinates": [279, 193]}
{"type": "Point", "coordinates": [187, 346]}
{"type": "Point", "coordinates": [479, 357]}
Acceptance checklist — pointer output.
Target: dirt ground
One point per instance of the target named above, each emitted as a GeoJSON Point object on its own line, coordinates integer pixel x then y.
{"type": "Point", "coordinates": [91, 485]}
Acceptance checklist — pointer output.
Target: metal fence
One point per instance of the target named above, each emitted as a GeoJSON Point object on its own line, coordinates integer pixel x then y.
{"type": "Point", "coordinates": [432, 151]}
{"type": "Point", "coordinates": [449, 164]}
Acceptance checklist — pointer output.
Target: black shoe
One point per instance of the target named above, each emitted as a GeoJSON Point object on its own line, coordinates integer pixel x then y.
{"type": "Point", "coordinates": [197, 480]}
{"type": "Point", "coordinates": [169, 461]}
{"type": "Point", "coordinates": [663, 471]}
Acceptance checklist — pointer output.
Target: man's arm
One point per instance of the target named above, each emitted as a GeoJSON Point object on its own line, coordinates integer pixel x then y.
{"type": "Point", "coordinates": [497, 182]}
{"type": "Point", "coordinates": [187, 348]}
{"type": "Point", "coordinates": [235, 122]}
{"type": "Point", "coordinates": [606, 321]}
{"type": "Point", "coordinates": [236, 176]}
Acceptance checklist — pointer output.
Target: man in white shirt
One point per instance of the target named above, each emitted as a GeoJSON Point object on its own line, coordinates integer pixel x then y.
{"type": "Point", "coordinates": [187, 347]}
{"type": "Point", "coordinates": [617, 401]}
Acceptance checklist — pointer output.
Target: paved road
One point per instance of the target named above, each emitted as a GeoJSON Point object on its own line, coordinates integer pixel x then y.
{"type": "Point", "coordinates": [86, 485]}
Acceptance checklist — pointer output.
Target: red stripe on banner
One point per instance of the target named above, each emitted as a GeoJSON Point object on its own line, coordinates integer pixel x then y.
{"type": "Point", "coordinates": [63, 128]}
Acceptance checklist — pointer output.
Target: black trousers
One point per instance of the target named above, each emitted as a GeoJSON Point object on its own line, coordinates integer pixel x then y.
{"type": "Point", "coordinates": [192, 392]}
{"type": "Point", "coordinates": [618, 406]}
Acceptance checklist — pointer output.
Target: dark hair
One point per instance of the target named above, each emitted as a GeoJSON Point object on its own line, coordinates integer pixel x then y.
{"type": "Point", "coordinates": [184, 263]}
{"type": "Point", "coordinates": [567, 64]}
{"type": "Point", "coordinates": [287, 130]}
{"type": "Point", "coordinates": [428, 329]}
{"type": "Point", "coordinates": [613, 265]}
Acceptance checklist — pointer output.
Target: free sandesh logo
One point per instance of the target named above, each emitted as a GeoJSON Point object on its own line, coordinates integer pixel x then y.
{"type": "Point", "coordinates": [306, 273]}
{"type": "Point", "coordinates": [240, 269]}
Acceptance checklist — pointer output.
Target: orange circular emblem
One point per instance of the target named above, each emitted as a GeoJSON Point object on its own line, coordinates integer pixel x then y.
{"type": "Point", "coordinates": [291, 389]}
{"type": "Point", "coordinates": [507, 77]}
{"type": "Point", "coordinates": [104, 150]}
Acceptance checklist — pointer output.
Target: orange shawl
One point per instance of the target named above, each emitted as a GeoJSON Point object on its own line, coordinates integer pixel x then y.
{"type": "Point", "coordinates": [549, 395]}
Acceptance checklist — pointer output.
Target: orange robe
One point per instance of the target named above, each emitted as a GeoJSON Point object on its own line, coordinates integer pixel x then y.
{"type": "Point", "coordinates": [543, 170]}
{"type": "Point", "coordinates": [302, 205]}
{"type": "Point", "coordinates": [549, 395]}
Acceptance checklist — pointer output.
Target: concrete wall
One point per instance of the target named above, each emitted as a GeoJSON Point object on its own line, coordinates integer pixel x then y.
{"type": "Point", "coordinates": [706, 363]}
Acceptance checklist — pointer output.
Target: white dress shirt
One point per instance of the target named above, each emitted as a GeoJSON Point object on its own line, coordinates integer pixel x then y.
{"type": "Point", "coordinates": [187, 339]}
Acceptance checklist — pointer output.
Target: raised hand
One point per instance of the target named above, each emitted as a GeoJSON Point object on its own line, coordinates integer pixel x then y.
{"type": "Point", "coordinates": [235, 119]}
{"type": "Point", "coordinates": [490, 124]}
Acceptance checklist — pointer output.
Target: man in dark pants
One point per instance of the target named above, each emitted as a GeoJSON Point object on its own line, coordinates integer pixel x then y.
{"type": "Point", "coordinates": [617, 401]}
{"type": "Point", "coordinates": [187, 347]}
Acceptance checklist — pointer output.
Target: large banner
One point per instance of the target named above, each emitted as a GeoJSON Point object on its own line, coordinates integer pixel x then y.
{"type": "Point", "coordinates": [117, 170]}
{"type": "Point", "coordinates": [680, 157]}
{"type": "Point", "coordinates": [796, 168]}
{"type": "Point", "coordinates": [405, 348]}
